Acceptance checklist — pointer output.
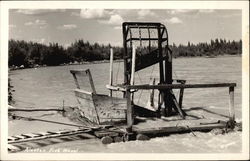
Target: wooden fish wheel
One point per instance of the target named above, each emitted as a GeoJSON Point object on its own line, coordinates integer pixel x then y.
{"type": "Point", "coordinates": [116, 119]}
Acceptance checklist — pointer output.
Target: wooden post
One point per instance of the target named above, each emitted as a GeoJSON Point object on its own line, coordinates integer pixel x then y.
{"type": "Point", "coordinates": [161, 70]}
{"type": "Point", "coordinates": [181, 97]}
{"type": "Point", "coordinates": [111, 70]}
{"type": "Point", "coordinates": [160, 56]}
{"type": "Point", "coordinates": [133, 66]}
{"type": "Point", "coordinates": [231, 103]}
{"type": "Point", "coordinates": [129, 111]}
{"type": "Point", "coordinates": [125, 56]}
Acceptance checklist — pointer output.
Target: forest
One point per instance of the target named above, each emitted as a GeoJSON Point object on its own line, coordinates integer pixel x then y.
{"type": "Point", "coordinates": [32, 54]}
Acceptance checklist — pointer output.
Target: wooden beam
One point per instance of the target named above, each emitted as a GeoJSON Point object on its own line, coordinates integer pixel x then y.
{"type": "Point", "coordinates": [129, 110]}
{"type": "Point", "coordinates": [125, 56]}
{"type": "Point", "coordinates": [231, 104]}
{"type": "Point", "coordinates": [176, 105]}
{"type": "Point", "coordinates": [145, 39]}
{"type": "Point", "coordinates": [178, 86]}
{"type": "Point", "coordinates": [178, 129]}
{"type": "Point", "coordinates": [142, 23]}
{"type": "Point", "coordinates": [133, 66]}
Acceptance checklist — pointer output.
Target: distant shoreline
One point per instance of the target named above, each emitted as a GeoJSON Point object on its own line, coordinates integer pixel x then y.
{"type": "Point", "coordinates": [118, 60]}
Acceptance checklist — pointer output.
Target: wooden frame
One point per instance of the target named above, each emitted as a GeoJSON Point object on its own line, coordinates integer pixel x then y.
{"type": "Point", "coordinates": [130, 120]}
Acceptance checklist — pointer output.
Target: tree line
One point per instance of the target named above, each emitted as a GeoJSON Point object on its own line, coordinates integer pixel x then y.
{"type": "Point", "coordinates": [30, 54]}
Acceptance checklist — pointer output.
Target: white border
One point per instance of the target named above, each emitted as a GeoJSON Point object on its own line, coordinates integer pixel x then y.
{"type": "Point", "coordinates": [6, 5]}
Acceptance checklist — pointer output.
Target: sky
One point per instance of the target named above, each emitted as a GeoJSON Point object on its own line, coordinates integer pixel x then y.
{"type": "Point", "coordinates": [64, 26]}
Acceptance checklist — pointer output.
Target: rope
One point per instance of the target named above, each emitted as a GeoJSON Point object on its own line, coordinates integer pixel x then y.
{"type": "Point", "coordinates": [55, 122]}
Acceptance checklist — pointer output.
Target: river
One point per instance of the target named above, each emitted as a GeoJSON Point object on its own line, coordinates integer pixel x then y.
{"type": "Point", "coordinates": [48, 87]}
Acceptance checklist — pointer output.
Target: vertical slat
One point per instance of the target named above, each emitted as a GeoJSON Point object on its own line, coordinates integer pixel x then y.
{"type": "Point", "coordinates": [160, 56]}
{"type": "Point", "coordinates": [149, 41]}
{"type": "Point", "coordinates": [133, 66]}
{"type": "Point", "coordinates": [231, 103]}
{"type": "Point", "coordinates": [129, 110]}
{"type": "Point", "coordinates": [111, 70]}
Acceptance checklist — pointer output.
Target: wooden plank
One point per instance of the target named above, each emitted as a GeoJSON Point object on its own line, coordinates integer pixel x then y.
{"type": "Point", "coordinates": [110, 109]}
{"type": "Point", "coordinates": [141, 23]}
{"type": "Point", "coordinates": [87, 105]}
{"type": "Point", "coordinates": [115, 88]}
{"type": "Point", "coordinates": [10, 138]}
{"type": "Point", "coordinates": [178, 86]}
{"type": "Point", "coordinates": [231, 104]}
{"type": "Point", "coordinates": [125, 59]}
{"type": "Point", "coordinates": [19, 137]}
{"type": "Point", "coordinates": [177, 129]}
{"type": "Point", "coordinates": [31, 135]}
{"type": "Point", "coordinates": [160, 56]}
{"type": "Point", "coordinates": [144, 39]}
{"type": "Point", "coordinates": [133, 65]}
{"type": "Point", "coordinates": [83, 94]}
{"type": "Point", "coordinates": [77, 71]}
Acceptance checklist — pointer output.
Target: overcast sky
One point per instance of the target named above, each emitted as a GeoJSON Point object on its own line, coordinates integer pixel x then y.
{"type": "Point", "coordinates": [104, 26]}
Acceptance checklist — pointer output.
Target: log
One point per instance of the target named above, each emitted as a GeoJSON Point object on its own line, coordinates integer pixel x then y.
{"type": "Point", "coordinates": [107, 140]}
{"type": "Point", "coordinates": [118, 139]}
{"type": "Point", "coordinates": [142, 137]}
{"type": "Point", "coordinates": [177, 129]}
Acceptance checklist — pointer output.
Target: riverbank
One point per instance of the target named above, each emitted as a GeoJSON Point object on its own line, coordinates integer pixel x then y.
{"type": "Point", "coordinates": [115, 61]}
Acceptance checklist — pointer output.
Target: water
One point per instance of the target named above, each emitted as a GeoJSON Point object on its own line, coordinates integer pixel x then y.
{"type": "Point", "coordinates": [53, 86]}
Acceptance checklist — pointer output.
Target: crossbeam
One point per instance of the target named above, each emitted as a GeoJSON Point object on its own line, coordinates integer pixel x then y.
{"type": "Point", "coordinates": [179, 86]}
